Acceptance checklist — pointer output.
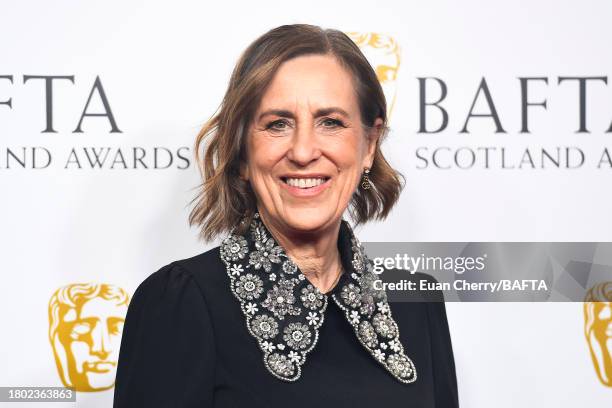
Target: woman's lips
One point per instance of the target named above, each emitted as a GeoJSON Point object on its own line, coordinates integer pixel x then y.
{"type": "Point", "coordinates": [305, 192]}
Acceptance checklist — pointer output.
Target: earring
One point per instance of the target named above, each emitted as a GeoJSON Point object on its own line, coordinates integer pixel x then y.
{"type": "Point", "coordinates": [365, 181]}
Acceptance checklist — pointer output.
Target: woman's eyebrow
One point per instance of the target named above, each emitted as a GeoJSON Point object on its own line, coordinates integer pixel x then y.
{"type": "Point", "coordinates": [277, 112]}
{"type": "Point", "coordinates": [332, 109]}
{"type": "Point", "coordinates": [288, 114]}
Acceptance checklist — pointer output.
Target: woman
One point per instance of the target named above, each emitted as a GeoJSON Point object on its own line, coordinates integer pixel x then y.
{"type": "Point", "coordinates": [283, 312]}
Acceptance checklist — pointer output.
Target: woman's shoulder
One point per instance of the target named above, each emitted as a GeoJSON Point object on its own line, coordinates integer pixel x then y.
{"type": "Point", "coordinates": [167, 316]}
{"type": "Point", "coordinates": [204, 272]}
{"type": "Point", "coordinates": [177, 291]}
{"type": "Point", "coordinates": [202, 263]}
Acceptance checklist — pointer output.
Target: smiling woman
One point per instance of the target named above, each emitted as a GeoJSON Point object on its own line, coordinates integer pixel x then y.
{"type": "Point", "coordinates": [308, 147]}
{"type": "Point", "coordinates": [304, 95]}
{"type": "Point", "coordinates": [285, 310]}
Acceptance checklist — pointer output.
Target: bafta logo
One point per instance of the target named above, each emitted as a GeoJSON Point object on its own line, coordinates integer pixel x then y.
{"type": "Point", "coordinates": [598, 329]}
{"type": "Point", "coordinates": [85, 327]}
{"type": "Point", "coordinates": [383, 53]}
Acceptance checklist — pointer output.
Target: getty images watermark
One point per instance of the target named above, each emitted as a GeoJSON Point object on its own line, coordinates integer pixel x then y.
{"type": "Point", "coordinates": [458, 265]}
{"type": "Point", "coordinates": [489, 271]}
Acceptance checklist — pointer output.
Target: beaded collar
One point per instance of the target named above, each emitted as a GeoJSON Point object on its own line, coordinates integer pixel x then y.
{"type": "Point", "coordinates": [284, 311]}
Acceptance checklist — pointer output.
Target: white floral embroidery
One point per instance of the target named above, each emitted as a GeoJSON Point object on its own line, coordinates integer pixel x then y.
{"type": "Point", "coordinates": [297, 336]}
{"type": "Point", "coordinates": [266, 253]}
{"type": "Point", "coordinates": [384, 326]}
{"type": "Point", "coordinates": [289, 267]}
{"type": "Point", "coordinates": [397, 363]}
{"type": "Point", "coordinates": [268, 346]}
{"type": "Point", "coordinates": [294, 357]}
{"type": "Point", "coordinates": [237, 269]}
{"type": "Point", "coordinates": [280, 365]}
{"type": "Point", "coordinates": [264, 326]}
{"type": "Point", "coordinates": [313, 318]}
{"type": "Point", "coordinates": [270, 288]}
{"type": "Point", "coordinates": [383, 307]}
{"type": "Point", "coordinates": [311, 297]}
{"type": "Point", "coordinates": [395, 345]}
{"type": "Point", "coordinates": [234, 248]}
{"type": "Point", "coordinates": [249, 286]}
{"type": "Point", "coordinates": [358, 257]}
{"type": "Point", "coordinates": [401, 366]}
{"type": "Point", "coordinates": [280, 299]}
{"type": "Point", "coordinates": [351, 294]}
{"type": "Point", "coordinates": [252, 308]}
{"type": "Point", "coordinates": [367, 334]}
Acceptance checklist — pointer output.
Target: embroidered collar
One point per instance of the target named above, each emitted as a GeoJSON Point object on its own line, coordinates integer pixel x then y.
{"type": "Point", "coordinates": [284, 311]}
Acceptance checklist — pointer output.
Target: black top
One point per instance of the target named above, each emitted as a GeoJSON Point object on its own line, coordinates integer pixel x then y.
{"type": "Point", "coordinates": [204, 332]}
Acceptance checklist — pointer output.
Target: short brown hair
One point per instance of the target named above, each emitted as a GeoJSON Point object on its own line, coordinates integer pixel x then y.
{"type": "Point", "coordinates": [224, 199]}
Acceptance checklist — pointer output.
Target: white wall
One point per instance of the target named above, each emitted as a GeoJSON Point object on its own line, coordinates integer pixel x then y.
{"type": "Point", "coordinates": [164, 68]}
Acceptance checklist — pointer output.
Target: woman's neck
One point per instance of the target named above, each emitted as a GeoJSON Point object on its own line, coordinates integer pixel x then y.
{"type": "Point", "coordinates": [316, 254]}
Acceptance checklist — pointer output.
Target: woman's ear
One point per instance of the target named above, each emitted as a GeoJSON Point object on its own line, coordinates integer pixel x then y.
{"type": "Point", "coordinates": [373, 136]}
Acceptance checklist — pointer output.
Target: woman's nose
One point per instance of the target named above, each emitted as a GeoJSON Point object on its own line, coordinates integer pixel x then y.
{"type": "Point", "coordinates": [304, 145]}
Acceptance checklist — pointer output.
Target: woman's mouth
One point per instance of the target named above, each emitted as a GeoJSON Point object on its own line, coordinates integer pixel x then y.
{"type": "Point", "coordinates": [305, 186]}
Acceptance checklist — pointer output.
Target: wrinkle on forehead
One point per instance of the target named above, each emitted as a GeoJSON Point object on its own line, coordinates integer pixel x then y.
{"type": "Point", "coordinates": [308, 83]}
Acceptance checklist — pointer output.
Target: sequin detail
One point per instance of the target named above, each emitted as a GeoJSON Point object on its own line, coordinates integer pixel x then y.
{"type": "Point", "coordinates": [284, 311]}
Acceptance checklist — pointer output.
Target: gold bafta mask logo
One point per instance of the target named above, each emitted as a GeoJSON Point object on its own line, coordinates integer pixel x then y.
{"type": "Point", "coordinates": [598, 329]}
{"type": "Point", "coordinates": [85, 327]}
{"type": "Point", "coordinates": [383, 53]}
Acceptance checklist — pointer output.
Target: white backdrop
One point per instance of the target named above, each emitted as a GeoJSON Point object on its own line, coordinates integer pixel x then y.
{"type": "Point", "coordinates": [164, 67]}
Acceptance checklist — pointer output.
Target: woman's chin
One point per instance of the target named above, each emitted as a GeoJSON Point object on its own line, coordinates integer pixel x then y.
{"type": "Point", "coordinates": [309, 219]}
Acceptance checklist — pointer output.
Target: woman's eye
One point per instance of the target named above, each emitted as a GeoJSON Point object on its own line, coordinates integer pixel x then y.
{"type": "Point", "coordinates": [282, 124]}
{"type": "Point", "coordinates": [277, 125]}
{"type": "Point", "coordinates": [329, 122]}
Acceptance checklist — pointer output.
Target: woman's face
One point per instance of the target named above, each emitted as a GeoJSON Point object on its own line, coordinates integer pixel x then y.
{"type": "Point", "coordinates": [306, 147]}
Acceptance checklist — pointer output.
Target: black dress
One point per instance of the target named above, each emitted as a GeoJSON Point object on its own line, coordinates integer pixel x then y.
{"type": "Point", "coordinates": [240, 326]}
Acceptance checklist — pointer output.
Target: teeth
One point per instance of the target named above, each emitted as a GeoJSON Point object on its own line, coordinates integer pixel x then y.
{"type": "Point", "coordinates": [304, 182]}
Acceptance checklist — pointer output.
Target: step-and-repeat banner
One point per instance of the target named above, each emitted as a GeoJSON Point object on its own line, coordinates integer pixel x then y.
{"type": "Point", "coordinates": [501, 122]}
